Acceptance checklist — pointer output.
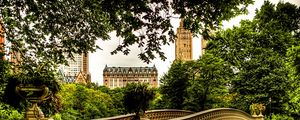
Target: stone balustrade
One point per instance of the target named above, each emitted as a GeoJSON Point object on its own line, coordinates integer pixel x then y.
{"type": "Point", "coordinates": [162, 114]}
{"type": "Point", "coordinates": [165, 114]}
{"type": "Point", "coordinates": [120, 117]}
{"type": "Point", "coordinates": [211, 114]}
{"type": "Point", "coordinates": [220, 114]}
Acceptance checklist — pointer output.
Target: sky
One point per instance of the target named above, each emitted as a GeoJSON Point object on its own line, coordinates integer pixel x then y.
{"type": "Point", "coordinates": [100, 58]}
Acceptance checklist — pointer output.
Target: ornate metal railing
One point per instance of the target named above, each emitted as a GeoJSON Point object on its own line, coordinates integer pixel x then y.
{"type": "Point", "coordinates": [162, 114]}
{"type": "Point", "coordinates": [220, 114]}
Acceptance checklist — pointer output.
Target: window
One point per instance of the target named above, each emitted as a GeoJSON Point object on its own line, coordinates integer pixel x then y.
{"type": "Point", "coordinates": [115, 83]}
{"type": "Point", "coordinates": [184, 36]}
{"type": "Point", "coordinates": [121, 83]}
{"type": "Point", "coordinates": [111, 83]}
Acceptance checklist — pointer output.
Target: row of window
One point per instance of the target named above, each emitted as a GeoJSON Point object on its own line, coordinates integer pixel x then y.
{"type": "Point", "coordinates": [114, 75]}
{"type": "Point", "coordinates": [114, 83]}
{"type": "Point", "coordinates": [136, 72]}
{"type": "Point", "coordinates": [124, 80]}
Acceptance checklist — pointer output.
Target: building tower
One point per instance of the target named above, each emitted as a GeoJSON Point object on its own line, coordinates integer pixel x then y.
{"type": "Point", "coordinates": [78, 69]}
{"type": "Point", "coordinates": [183, 44]}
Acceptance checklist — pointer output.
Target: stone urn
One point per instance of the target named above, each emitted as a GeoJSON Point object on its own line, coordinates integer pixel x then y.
{"type": "Point", "coordinates": [34, 94]}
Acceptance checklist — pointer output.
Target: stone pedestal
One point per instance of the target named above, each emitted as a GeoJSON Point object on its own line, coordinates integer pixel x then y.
{"type": "Point", "coordinates": [34, 94]}
{"type": "Point", "coordinates": [34, 113]}
{"type": "Point", "coordinates": [258, 117]}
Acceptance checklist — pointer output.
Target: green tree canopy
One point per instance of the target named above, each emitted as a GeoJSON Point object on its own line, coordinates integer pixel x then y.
{"type": "Point", "coordinates": [137, 98]}
{"type": "Point", "coordinates": [46, 29]}
{"type": "Point", "coordinates": [256, 50]}
{"type": "Point", "coordinates": [196, 85]}
{"type": "Point", "coordinates": [174, 84]}
{"type": "Point", "coordinates": [80, 102]}
{"type": "Point", "coordinates": [209, 83]}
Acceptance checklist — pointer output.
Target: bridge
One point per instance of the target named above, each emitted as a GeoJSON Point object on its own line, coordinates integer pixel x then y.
{"type": "Point", "coordinates": [211, 114]}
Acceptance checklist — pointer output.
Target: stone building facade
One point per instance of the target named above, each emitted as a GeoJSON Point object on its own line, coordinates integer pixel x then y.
{"type": "Point", "coordinates": [2, 50]}
{"type": "Point", "coordinates": [183, 44]}
{"type": "Point", "coordinates": [5, 48]}
{"type": "Point", "coordinates": [114, 77]}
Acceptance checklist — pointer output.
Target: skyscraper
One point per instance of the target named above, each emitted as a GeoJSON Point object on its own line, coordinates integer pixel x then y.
{"type": "Point", "coordinates": [183, 44]}
{"type": "Point", "coordinates": [78, 69]}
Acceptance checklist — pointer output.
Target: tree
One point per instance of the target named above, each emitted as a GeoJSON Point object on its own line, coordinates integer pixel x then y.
{"type": "Point", "coordinates": [209, 86]}
{"type": "Point", "coordinates": [80, 102]}
{"type": "Point", "coordinates": [174, 84]}
{"type": "Point", "coordinates": [49, 29]}
{"type": "Point", "coordinates": [257, 52]}
{"type": "Point", "coordinates": [293, 105]}
{"type": "Point", "coordinates": [4, 73]}
{"type": "Point", "coordinates": [38, 75]}
{"type": "Point", "coordinates": [196, 85]}
{"type": "Point", "coordinates": [137, 98]}
{"type": "Point", "coordinates": [6, 111]}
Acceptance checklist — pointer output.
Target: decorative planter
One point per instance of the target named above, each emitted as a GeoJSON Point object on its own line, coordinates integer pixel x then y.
{"type": "Point", "coordinates": [257, 109]}
{"type": "Point", "coordinates": [34, 94]}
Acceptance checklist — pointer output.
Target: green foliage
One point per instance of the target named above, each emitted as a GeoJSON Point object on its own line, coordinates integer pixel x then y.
{"type": "Point", "coordinates": [137, 98]}
{"type": "Point", "coordinates": [50, 28]}
{"type": "Point", "coordinates": [4, 73]}
{"type": "Point", "coordinates": [57, 116]}
{"type": "Point", "coordinates": [81, 102]}
{"type": "Point", "coordinates": [293, 105]}
{"type": "Point", "coordinates": [196, 85]}
{"type": "Point", "coordinates": [263, 80]}
{"type": "Point", "coordinates": [203, 16]}
{"type": "Point", "coordinates": [256, 51]}
{"type": "Point", "coordinates": [208, 87]}
{"type": "Point", "coordinates": [37, 74]}
{"type": "Point", "coordinates": [116, 95]}
{"type": "Point", "coordinates": [174, 84]}
{"type": "Point", "coordinates": [9, 113]}
{"type": "Point", "coordinates": [157, 102]}
{"type": "Point", "coordinates": [279, 117]}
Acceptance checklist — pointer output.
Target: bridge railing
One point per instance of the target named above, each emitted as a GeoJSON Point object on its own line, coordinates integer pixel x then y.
{"type": "Point", "coordinates": [220, 114]}
{"type": "Point", "coordinates": [162, 114]}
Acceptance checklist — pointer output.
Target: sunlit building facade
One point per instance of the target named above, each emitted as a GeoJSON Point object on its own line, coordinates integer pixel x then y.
{"type": "Point", "coordinates": [5, 47]}
{"type": "Point", "coordinates": [114, 77]}
{"type": "Point", "coordinates": [2, 41]}
{"type": "Point", "coordinates": [183, 44]}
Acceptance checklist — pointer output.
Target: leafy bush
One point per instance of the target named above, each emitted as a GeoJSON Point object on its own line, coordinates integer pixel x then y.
{"type": "Point", "coordinates": [9, 113]}
{"type": "Point", "coordinates": [81, 102]}
{"type": "Point", "coordinates": [137, 98]}
{"type": "Point", "coordinates": [279, 117]}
